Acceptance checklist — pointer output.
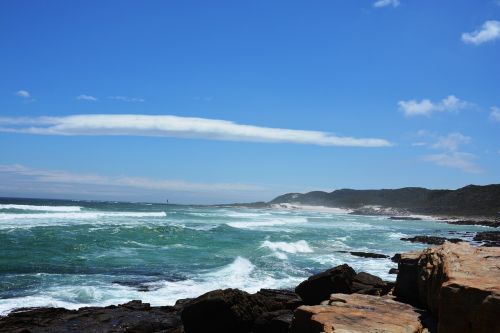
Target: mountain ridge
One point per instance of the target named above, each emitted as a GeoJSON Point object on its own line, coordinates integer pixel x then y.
{"type": "Point", "coordinates": [470, 200]}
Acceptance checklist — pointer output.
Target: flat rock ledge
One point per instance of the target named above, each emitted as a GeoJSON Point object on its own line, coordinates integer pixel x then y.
{"type": "Point", "coordinates": [358, 313]}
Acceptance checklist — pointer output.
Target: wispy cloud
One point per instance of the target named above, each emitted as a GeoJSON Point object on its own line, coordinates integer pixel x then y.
{"type": "Point", "coordinates": [174, 126]}
{"type": "Point", "coordinates": [87, 98]}
{"type": "Point", "coordinates": [426, 107]}
{"type": "Point", "coordinates": [23, 94]}
{"type": "Point", "coordinates": [451, 142]}
{"type": "Point", "coordinates": [495, 113]}
{"type": "Point", "coordinates": [26, 181]}
{"type": "Point", "coordinates": [490, 30]}
{"type": "Point", "coordinates": [385, 3]}
{"type": "Point", "coordinates": [127, 99]}
{"type": "Point", "coordinates": [450, 155]}
{"type": "Point", "coordinates": [457, 160]}
{"type": "Point", "coordinates": [65, 177]}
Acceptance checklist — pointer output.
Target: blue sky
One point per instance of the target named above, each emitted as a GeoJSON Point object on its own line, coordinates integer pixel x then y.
{"type": "Point", "coordinates": [227, 101]}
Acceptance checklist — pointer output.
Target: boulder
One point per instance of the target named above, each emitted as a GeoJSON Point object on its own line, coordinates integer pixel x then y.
{"type": "Point", "coordinates": [357, 313]}
{"type": "Point", "coordinates": [458, 283]}
{"type": "Point", "coordinates": [341, 279]}
{"type": "Point", "coordinates": [273, 322]}
{"type": "Point", "coordinates": [280, 298]}
{"type": "Point", "coordinates": [318, 287]}
{"type": "Point", "coordinates": [365, 283]}
{"type": "Point", "coordinates": [228, 310]}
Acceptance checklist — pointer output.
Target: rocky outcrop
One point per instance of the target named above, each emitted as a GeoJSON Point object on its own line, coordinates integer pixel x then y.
{"type": "Point", "coordinates": [458, 283]}
{"type": "Point", "coordinates": [131, 317]}
{"type": "Point", "coordinates": [340, 279]}
{"type": "Point", "coordinates": [488, 238]}
{"type": "Point", "coordinates": [358, 313]}
{"type": "Point", "coordinates": [229, 310]}
{"type": "Point", "coordinates": [492, 222]}
{"type": "Point", "coordinates": [405, 218]}
{"type": "Point", "coordinates": [432, 240]}
{"type": "Point", "coordinates": [233, 310]}
{"type": "Point", "coordinates": [369, 255]}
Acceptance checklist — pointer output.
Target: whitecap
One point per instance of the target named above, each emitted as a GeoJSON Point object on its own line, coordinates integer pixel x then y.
{"type": "Point", "coordinates": [267, 223]}
{"type": "Point", "coordinates": [42, 208]}
{"type": "Point", "coordinates": [396, 235]}
{"type": "Point", "coordinates": [300, 246]}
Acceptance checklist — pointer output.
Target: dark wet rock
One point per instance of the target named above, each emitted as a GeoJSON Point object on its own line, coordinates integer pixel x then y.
{"type": "Point", "coordinates": [369, 255]}
{"type": "Point", "coordinates": [341, 279]}
{"type": "Point", "coordinates": [433, 240]}
{"type": "Point", "coordinates": [233, 310]}
{"type": "Point", "coordinates": [273, 322]}
{"type": "Point", "coordinates": [132, 317]}
{"type": "Point", "coordinates": [318, 287]}
{"type": "Point", "coordinates": [405, 218]}
{"type": "Point", "coordinates": [393, 271]}
{"type": "Point", "coordinates": [365, 283]}
{"type": "Point", "coordinates": [282, 299]}
{"type": "Point", "coordinates": [488, 238]}
{"type": "Point", "coordinates": [395, 258]}
{"type": "Point", "coordinates": [229, 310]}
{"type": "Point", "coordinates": [494, 223]}
{"type": "Point", "coordinates": [406, 287]}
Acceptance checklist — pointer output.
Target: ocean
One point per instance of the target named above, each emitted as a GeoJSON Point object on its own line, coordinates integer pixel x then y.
{"type": "Point", "coordinates": [83, 253]}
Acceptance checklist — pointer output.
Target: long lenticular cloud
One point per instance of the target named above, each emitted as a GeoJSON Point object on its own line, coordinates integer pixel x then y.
{"type": "Point", "coordinates": [175, 126]}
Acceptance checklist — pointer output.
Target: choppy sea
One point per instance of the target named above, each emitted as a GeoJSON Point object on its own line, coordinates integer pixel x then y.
{"type": "Point", "coordinates": [80, 253]}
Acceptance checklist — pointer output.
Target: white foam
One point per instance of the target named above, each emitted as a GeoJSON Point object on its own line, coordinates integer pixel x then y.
{"type": "Point", "coordinates": [267, 223]}
{"type": "Point", "coordinates": [9, 220]}
{"type": "Point", "coordinates": [42, 208]}
{"type": "Point", "coordinates": [246, 215]}
{"type": "Point", "coordinates": [396, 235]}
{"type": "Point", "coordinates": [321, 209]}
{"type": "Point", "coordinates": [240, 273]}
{"type": "Point", "coordinates": [300, 246]}
{"type": "Point", "coordinates": [80, 215]}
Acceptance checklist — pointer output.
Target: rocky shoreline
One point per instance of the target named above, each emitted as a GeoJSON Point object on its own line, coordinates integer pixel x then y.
{"type": "Point", "coordinates": [453, 287]}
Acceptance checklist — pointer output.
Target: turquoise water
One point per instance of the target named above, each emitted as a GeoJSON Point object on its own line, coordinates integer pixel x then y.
{"type": "Point", "coordinates": [76, 253]}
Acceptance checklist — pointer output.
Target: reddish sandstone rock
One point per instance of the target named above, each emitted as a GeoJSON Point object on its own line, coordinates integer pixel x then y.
{"type": "Point", "coordinates": [357, 313]}
{"type": "Point", "coordinates": [458, 283]}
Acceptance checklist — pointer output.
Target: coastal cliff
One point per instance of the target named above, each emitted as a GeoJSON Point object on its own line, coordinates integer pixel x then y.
{"type": "Point", "coordinates": [448, 288]}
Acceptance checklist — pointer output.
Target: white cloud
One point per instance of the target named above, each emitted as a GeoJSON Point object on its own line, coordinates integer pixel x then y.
{"type": "Point", "coordinates": [427, 107]}
{"type": "Point", "coordinates": [174, 126]}
{"type": "Point", "coordinates": [22, 181]}
{"type": "Point", "coordinates": [384, 3]}
{"type": "Point", "coordinates": [490, 30]}
{"type": "Point", "coordinates": [127, 99]}
{"type": "Point", "coordinates": [23, 94]}
{"type": "Point", "coordinates": [87, 98]}
{"type": "Point", "coordinates": [455, 159]}
{"type": "Point", "coordinates": [450, 155]}
{"type": "Point", "coordinates": [495, 113]}
{"type": "Point", "coordinates": [64, 177]}
{"type": "Point", "coordinates": [451, 142]}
